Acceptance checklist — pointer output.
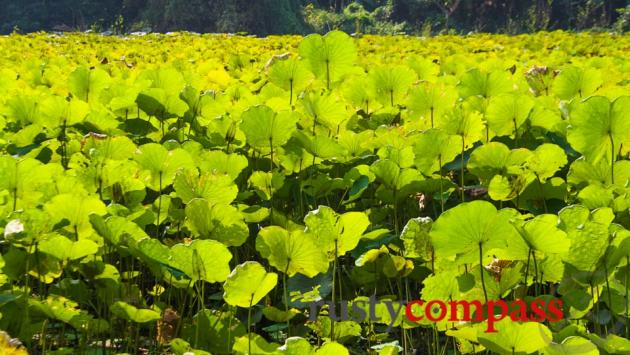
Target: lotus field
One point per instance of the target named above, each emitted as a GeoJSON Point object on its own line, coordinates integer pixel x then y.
{"type": "Point", "coordinates": [218, 194]}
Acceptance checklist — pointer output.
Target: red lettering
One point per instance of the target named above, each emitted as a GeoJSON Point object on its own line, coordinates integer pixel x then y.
{"type": "Point", "coordinates": [555, 308]}
{"type": "Point", "coordinates": [492, 316]}
{"type": "Point", "coordinates": [466, 310]}
{"type": "Point", "coordinates": [409, 311]}
{"type": "Point", "coordinates": [520, 314]}
{"type": "Point", "coordinates": [538, 310]}
{"type": "Point", "coordinates": [428, 311]}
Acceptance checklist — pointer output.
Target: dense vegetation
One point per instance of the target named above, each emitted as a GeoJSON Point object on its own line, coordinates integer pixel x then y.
{"type": "Point", "coordinates": [264, 17]}
{"type": "Point", "coordinates": [197, 194]}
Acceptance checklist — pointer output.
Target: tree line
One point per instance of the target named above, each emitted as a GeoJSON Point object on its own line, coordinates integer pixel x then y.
{"type": "Point", "coordinates": [265, 17]}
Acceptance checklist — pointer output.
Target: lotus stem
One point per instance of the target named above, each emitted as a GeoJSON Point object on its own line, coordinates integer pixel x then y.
{"type": "Point", "coordinates": [461, 177]}
{"type": "Point", "coordinates": [626, 286]}
{"type": "Point", "coordinates": [249, 322]}
{"type": "Point", "coordinates": [529, 255]}
{"type": "Point", "coordinates": [157, 223]}
{"type": "Point", "coordinates": [607, 287]}
{"type": "Point", "coordinates": [327, 74]}
{"type": "Point", "coordinates": [535, 273]}
{"type": "Point", "coordinates": [483, 283]}
{"type": "Point", "coordinates": [542, 194]}
{"type": "Point", "coordinates": [291, 93]}
{"type": "Point", "coordinates": [286, 297]}
{"type": "Point", "coordinates": [395, 213]}
{"type": "Point", "coordinates": [612, 158]}
{"type": "Point", "coordinates": [441, 182]}
{"type": "Point", "coordinates": [14, 192]}
{"type": "Point", "coordinates": [334, 281]}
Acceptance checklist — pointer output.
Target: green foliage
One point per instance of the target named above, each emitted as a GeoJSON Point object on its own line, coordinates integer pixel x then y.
{"type": "Point", "coordinates": [194, 197]}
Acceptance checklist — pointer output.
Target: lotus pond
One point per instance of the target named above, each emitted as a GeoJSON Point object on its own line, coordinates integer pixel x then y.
{"type": "Point", "coordinates": [185, 193]}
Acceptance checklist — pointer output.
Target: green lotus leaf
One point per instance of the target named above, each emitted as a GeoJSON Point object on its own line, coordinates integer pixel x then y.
{"type": "Point", "coordinates": [432, 147]}
{"type": "Point", "coordinates": [583, 172]}
{"type": "Point", "coordinates": [416, 238]}
{"type": "Point", "coordinates": [296, 346]}
{"type": "Point", "coordinates": [65, 310]}
{"type": "Point", "coordinates": [463, 123]}
{"type": "Point", "coordinates": [248, 284]}
{"type": "Point", "coordinates": [424, 67]}
{"type": "Point", "coordinates": [266, 183]}
{"type": "Point", "coordinates": [612, 344]}
{"type": "Point", "coordinates": [478, 83]}
{"type": "Point", "coordinates": [216, 221]}
{"type": "Point", "coordinates": [429, 102]}
{"type": "Point", "coordinates": [24, 179]}
{"type": "Point", "coordinates": [332, 348]}
{"type": "Point", "coordinates": [63, 248]}
{"type": "Point", "coordinates": [441, 286]}
{"type": "Point", "coordinates": [361, 96]}
{"type": "Point", "coordinates": [87, 84]}
{"type": "Point", "coordinates": [265, 128]}
{"type": "Point", "coordinates": [392, 176]}
{"type": "Point", "coordinates": [217, 161]}
{"type": "Point", "coordinates": [595, 196]}
{"type": "Point", "coordinates": [516, 338]}
{"type": "Point", "coordinates": [112, 148]}
{"type": "Point", "coordinates": [506, 188]}
{"type": "Point", "coordinates": [391, 83]}
{"type": "Point", "coordinates": [291, 252]}
{"type": "Point", "coordinates": [334, 232]}
{"type": "Point", "coordinates": [621, 250]}
{"type": "Point", "coordinates": [321, 185]}
{"type": "Point", "coordinates": [403, 157]}
{"type": "Point", "coordinates": [291, 75]}
{"type": "Point", "coordinates": [598, 127]}
{"type": "Point", "coordinates": [75, 209]}
{"type": "Point", "coordinates": [137, 315]}
{"type": "Point", "coordinates": [496, 158]}
{"type": "Point", "coordinates": [154, 250]}
{"type": "Point", "coordinates": [276, 315]}
{"type": "Point", "coordinates": [116, 229]}
{"type": "Point", "coordinates": [588, 233]}
{"type": "Point", "coordinates": [469, 226]}
{"type": "Point", "coordinates": [391, 348]}
{"type": "Point", "coordinates": [219, 329]}
{"type": "Point", "coordinates": [206, 260]}
{"type": "Point", "coordinates": [259, 346]}
{"type": "Point", "coordinates": [24, 109]}
{"type": "Point", "coordinates": [546, 115]}
{"type": "Point", "coordinates": [343, 331]}
{"type": "Point", "coordinates": [395, 266]}
{"type": "Point", "coordinates": [180, 347]}
{"type": "Point", "coordinates": [324, 110]}
{"type": "Point", "coordinates": [506, 113]}
{"type": "Point", "coordinates": [158, 103]}
{"type": "Point", "coordinates": [161, 165]}
{"type": "Point", "coordinates": [540, 235]}
{"type": "Point", "coordinates": [355, 143]}
{"type": "Point", "coordinates": [371, 256]}
{"type": "Point", "coordinates": [546, 160]}
{"type": "Point", "coordinates": [574, 81]}
{"type": "Point", "coordinates": [214, 188]}
{"type": "Point", "coordinates": [330, 56]}
{"type": "Point", "coordinates": [571, 345]}
{"type": "Point", "coordinates": [56, 111]}
{"type": "Point", "coordinates": [168, 79]}
{"type": "Point", "coordinates": [320, 146]}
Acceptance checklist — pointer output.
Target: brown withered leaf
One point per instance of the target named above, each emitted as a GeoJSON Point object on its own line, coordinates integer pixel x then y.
{"type": "Point", "coordinates": [497, 266]}
{"type": "Point", "coordinates": [167, 326]}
